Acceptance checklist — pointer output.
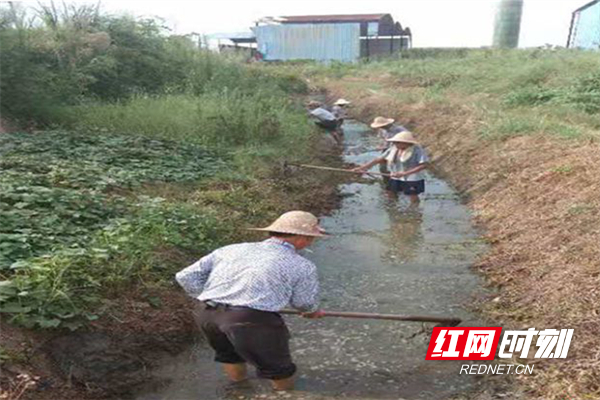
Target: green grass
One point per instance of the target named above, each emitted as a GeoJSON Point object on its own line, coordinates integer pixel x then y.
{"type": "Point", "coordinates": [515, 92]}
{"type": "Point", "coordinates": [256, 130]}
{"type": "Point", "coordinates": [498, 72]}
{"type": "Point", "coordinates": [159, 152]}
{"type": "Point", "coordinates": [77, 225]}
{"type": "Point", "coordinates": [123, 194]}
{"type": "Point", "coordinates": [222, 119]}
{"type": "Point", "coordinates": [106, 213]}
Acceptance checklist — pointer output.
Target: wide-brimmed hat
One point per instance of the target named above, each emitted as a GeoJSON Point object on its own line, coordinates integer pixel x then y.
{"type": "Point", "coordinates": [295, 223]}
{"type": "Point", "coordinates": [314, 103]}
{"type": "Point", "coordinates": [404, 136]}
{"type": "Point", "coordinates": [381, 122]}
{"type": "Point", "coordinates": [341, 102]}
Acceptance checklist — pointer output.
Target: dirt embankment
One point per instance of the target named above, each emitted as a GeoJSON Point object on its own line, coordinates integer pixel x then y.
{"type": "Point", "coordinates": [537, 197]}
{"type": "Point", "coordinates": [114, 355]}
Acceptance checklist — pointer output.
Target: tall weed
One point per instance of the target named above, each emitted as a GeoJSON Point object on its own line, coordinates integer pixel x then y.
{"type": "Point", "coordinates": [226, 118]}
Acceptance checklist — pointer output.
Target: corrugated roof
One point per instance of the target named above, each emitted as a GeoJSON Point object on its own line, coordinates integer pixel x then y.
{"type": "Point", "coordinates": [591, 3]}
{"type": "Point", "coordinates": [232, 35]}
{"type": "Point", "coordinates": [332, 18]}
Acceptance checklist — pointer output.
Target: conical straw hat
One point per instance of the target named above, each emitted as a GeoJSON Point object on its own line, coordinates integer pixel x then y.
{"type": "Point", "coordinates": [295, 223]}
{"type": "Point", "coordinates": [341, 102]}
{"type": "Point", "coordinates": [381, 121]}
{"type": "Point", "coordinates": [404, 136]}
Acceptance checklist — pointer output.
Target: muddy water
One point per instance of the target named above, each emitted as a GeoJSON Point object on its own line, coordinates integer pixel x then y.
{"type": "Point", "coordinates": [384, 257]}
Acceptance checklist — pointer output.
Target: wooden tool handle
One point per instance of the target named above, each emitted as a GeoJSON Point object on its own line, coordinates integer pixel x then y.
{"type": "Point", "coordinates": [391, 317]}
{"type": "Point", "coordinates": [336, 169]}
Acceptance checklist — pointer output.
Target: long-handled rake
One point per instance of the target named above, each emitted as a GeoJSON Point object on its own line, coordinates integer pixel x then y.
{"type": "Point", "coordinates": [286, 166]}
{"type": "Point", "coordinates": [442, 321]}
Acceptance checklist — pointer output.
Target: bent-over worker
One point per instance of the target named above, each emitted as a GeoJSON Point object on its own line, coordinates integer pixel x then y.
{"type": "Point", "coordinates": [325, 119]}
{"type": "Point", "coordinates": [243, 286]}
{"type": "Point", "coordinates": [406, 160]}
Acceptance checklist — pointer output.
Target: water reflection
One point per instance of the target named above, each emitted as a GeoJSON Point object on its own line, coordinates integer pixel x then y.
{"type": "Point", "coordinates": [405, 235]}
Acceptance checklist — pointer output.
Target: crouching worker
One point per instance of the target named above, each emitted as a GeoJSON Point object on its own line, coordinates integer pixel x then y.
{"type": "Point", "coordinates": [325, 119]}
{"type": "Point", "coordinates": [243, 286]}
{"type": "Point", "coordinates": [405, 160]}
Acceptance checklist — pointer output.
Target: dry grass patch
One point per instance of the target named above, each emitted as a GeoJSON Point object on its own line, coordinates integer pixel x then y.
{"type": "Point", "coordinates": [537, 197]}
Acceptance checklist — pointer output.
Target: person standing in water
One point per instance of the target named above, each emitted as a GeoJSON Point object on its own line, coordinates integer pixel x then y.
{"type": "Point", "coordinates": [242, 287]}
{"type": "Point", "coordinates": [386, 129]}
{"type": "Point", "coordinates": [405, 160]}
{"type": "Point", "coordinates": [339, 109]}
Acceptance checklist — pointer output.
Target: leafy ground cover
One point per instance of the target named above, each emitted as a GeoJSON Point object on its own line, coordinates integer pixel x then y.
{"type": "Point", "coordinates": [143, 153]}
{"type": "Point", "coordinates": [71, 217]}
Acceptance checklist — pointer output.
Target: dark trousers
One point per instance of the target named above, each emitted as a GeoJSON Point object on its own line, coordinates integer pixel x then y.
{"type": "Point", "coordinates": [241, 334]}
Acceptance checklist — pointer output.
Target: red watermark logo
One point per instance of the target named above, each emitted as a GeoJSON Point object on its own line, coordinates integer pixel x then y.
{"type": "Point", "coordinates": [463, 343]}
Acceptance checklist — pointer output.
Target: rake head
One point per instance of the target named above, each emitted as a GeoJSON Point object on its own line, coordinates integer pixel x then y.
{"type": "Point", "coordinates": [449, 324]}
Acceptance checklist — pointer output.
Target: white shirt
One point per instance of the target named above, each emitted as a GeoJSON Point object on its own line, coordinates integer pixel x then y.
{"type": "Point", "coordinates": [322, 114]}
{"type": "Point", "coordinates": [417, 157]}
{"type": "Point", "coordinates": [265, 275]}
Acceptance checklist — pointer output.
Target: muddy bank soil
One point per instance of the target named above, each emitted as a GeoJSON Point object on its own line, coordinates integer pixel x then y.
{"type": "Point", "coordinates": [537, 197]}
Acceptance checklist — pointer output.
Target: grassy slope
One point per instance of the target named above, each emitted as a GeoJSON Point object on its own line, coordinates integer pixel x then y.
{"type": "Point", "coordinates": [517, 132]}
{"type": "Point", "coordinates": [100, 213]}
{"type": "Point", "coordinates": [127, 193]}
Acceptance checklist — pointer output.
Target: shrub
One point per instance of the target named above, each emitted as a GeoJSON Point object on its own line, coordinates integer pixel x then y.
{"type": "Point", "coordinates": [531, 96]}
{"type": "Point", "coordinates": [586, 93]}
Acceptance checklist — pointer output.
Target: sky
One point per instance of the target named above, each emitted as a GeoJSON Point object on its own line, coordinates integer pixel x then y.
{"type": "Point", "coordinates": [434, 23]}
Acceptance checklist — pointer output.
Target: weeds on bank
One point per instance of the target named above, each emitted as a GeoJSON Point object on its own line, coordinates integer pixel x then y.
{"type": "Point", "coordinates": [516, 92]}
{"type": "Point", "coordinates": [224, 119]}
{"type": "Point", "coordinates": [74, 227]}
{"type": "Point", "coordinates": [532, 90]}
{"type": "Point", "coordinates": [125, 190]}
{"type": "Point", "coordinates": [104, 212]}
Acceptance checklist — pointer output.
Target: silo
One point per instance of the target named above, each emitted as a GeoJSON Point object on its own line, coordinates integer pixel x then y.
{"type": "Point", "coordinates": [508, 23]}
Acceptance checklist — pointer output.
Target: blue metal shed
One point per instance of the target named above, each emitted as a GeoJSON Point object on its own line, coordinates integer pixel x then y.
{"type": "Point", "coordinates": [321, 42]}
{"type": "Point", "coordinates": [585, 27]}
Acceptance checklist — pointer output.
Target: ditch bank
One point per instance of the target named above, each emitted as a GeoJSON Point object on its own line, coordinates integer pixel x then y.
{"type": "Point", "coordinates": [537, 198]}
{"type": "Point", "coordinates": [112, 356]}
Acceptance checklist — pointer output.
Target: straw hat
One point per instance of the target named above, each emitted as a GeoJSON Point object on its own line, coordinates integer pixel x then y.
{"type": "Point", "coordinates": [404, 136]}
{"type": "Point", "coordinates": [341, 102]}
{"type": "Point", "coordinates": [295, 223]}
{"type": "Point", "coordinates": [314, 103]}
{"type": "Point", "coordinates": [381, 121]}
